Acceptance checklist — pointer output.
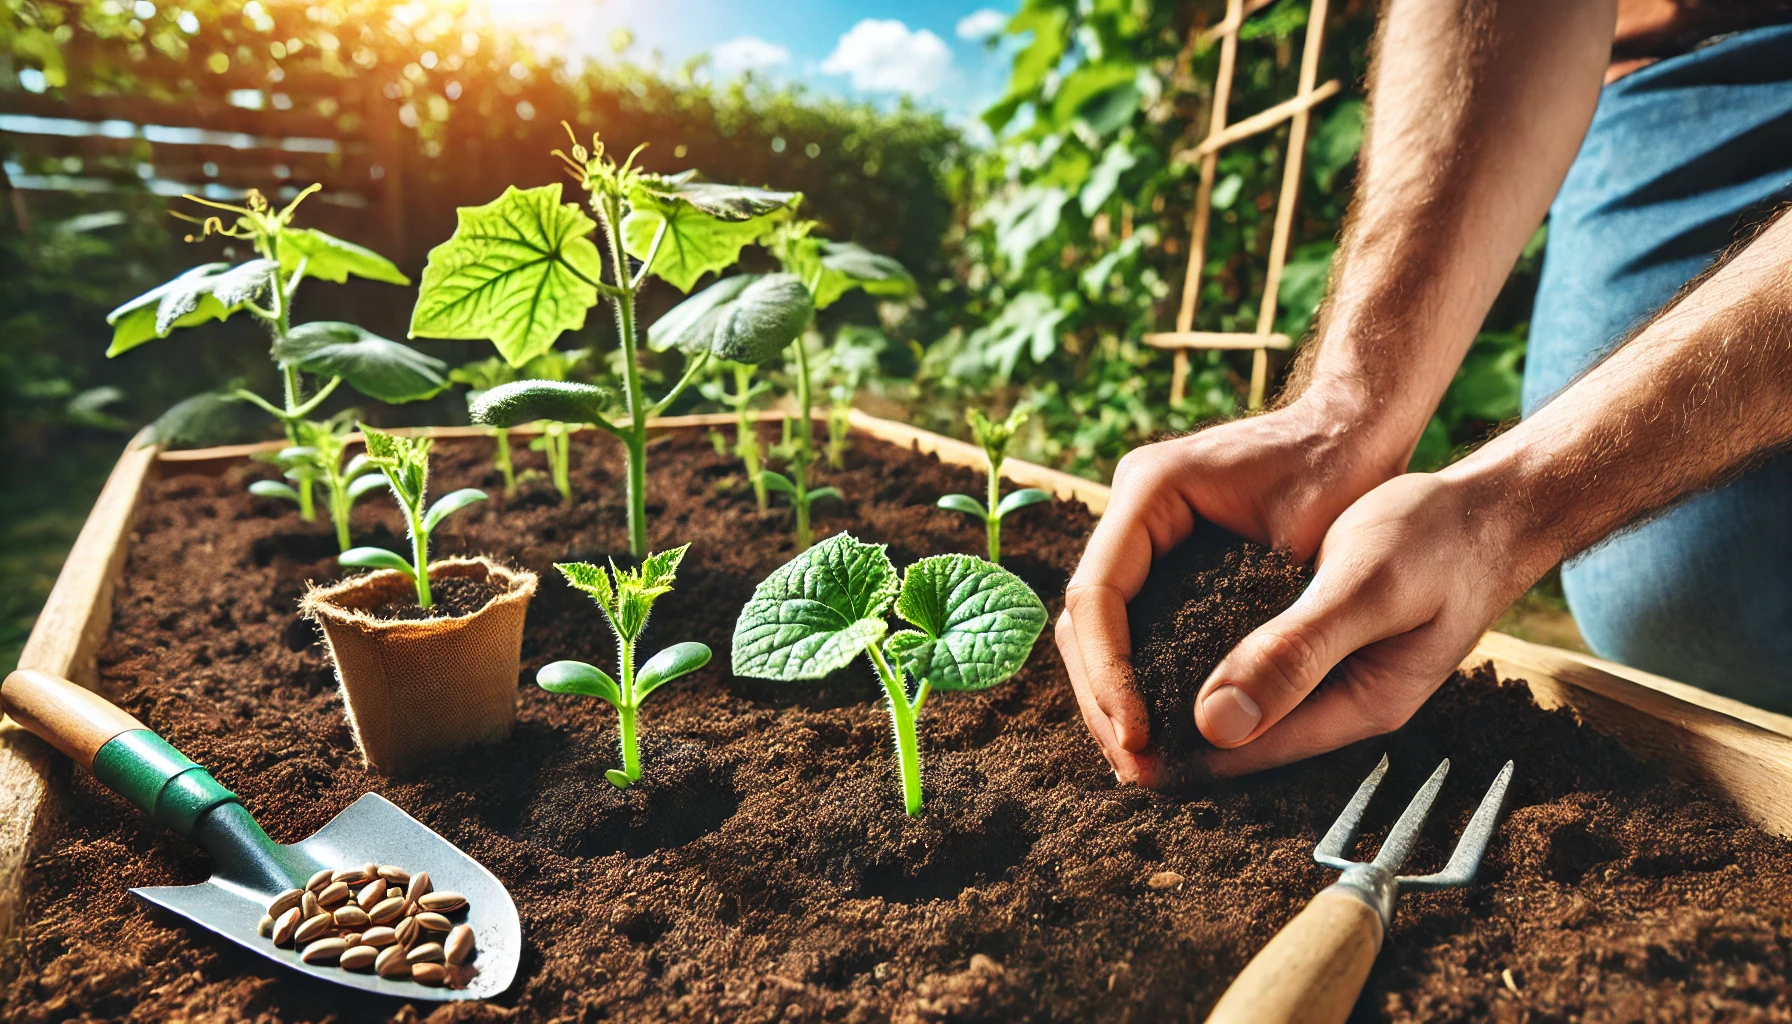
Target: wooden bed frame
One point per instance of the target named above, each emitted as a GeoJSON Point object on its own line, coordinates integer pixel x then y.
{"type": "Point", "coordinates": [1720, 744]}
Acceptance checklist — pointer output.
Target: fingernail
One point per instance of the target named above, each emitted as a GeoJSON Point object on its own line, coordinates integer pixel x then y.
{"type": "Point", "coordinates": [1231, 714]}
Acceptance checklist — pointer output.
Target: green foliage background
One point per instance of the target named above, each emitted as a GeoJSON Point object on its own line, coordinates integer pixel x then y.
{"type": "Point", "coordinates": [1043, 256]}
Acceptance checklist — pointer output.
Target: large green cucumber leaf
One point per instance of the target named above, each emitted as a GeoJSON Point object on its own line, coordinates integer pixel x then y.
{"type": "Point", "coordinates": [518, 271]}
{"type": "Point", "coordinates": [706, 226]}
{"type": "Point", "coordinates": [333, 259]}
{"type": "Point", "coordinates": [377, 367]}
{"type": "Point", "coordinates": [210, 291]}
{"type": "Point", "coordinates": [747, 318]}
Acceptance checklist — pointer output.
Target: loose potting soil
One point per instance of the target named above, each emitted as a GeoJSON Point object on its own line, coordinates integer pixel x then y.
{"type": "Point", "coordinates": [1200, 600]}
{"type": "Point", "coordinates": [449, 597]}
{"type": "Point", "coordinates": [763, 869]}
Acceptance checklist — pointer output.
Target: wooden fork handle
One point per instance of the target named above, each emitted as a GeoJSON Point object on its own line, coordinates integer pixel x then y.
{"type": "Point", "coordinates": [1312, 971]}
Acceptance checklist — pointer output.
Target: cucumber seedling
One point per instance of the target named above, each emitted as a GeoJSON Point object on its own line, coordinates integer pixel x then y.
{"type": "Point", "coordinates": [265, 287]}
{"type": "Point", "coordinates": [522, 269]}
{"type": "Point", "coordinates": [405, 463]}
{"type": "Point", "coordinates": [626, 597]}
{"type": "Point", "coordinates": [318, 458]}
{"type": "Point", "coordinates": [993, 436]}
{"type": "Point", "coordinates": [827, 270]}
{"type": "Point", "coordinates": [975, 625]}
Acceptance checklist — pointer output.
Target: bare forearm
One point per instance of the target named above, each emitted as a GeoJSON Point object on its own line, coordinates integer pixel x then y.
{"type": "Point", "coordinates": [1699, 395]}
{"type": "Point", "coordinates": [1477, 108]}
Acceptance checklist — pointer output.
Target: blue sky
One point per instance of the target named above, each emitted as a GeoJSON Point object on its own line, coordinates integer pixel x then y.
{"type": "Point", "coordinates": [877, 50]}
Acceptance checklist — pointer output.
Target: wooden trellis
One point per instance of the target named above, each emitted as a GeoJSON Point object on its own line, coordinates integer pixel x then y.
{"type": "Point", "coordinates": [1219, 136]}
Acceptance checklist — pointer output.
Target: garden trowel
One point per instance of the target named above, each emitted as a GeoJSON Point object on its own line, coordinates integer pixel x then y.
{"type": "Point", "coordinates": [250, 868]}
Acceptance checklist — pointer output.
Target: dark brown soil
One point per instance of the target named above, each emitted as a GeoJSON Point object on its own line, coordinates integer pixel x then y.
{"type": "Point", "coordinates": [763, 870]}
{"type": "Point", "coordinates": [1199, 601]}
{"type": "Point", "coordinates": [449, 597]}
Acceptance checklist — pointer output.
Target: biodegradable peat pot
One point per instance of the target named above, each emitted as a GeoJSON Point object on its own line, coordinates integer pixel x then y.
{"type": "Point", "coordinates": [416, 688]}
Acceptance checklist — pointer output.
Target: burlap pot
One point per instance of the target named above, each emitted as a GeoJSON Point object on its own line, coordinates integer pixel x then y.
{"type": "Point", "coordinates": [418, 689]}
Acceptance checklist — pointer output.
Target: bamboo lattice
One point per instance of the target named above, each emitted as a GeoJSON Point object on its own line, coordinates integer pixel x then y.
{"type": "Point", "coordinates": [1295, 111]}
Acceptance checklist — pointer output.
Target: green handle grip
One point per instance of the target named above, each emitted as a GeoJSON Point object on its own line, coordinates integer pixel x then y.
{"type": "Point", "coordinates": [163, 782]}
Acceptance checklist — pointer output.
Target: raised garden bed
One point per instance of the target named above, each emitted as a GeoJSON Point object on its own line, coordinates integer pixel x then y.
{"type": "Point", "coordinates": [763, 870]}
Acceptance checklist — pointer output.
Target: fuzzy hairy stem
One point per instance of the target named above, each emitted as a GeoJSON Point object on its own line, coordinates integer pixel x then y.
{"type": "Point", "coordinates": [994, 519]}
{"type": "Point", "coordinates": [609, 209]}
{"type": "Point", "coordinates": [501, 459]}
{"type": "Point", "coordinates": [902, 725]}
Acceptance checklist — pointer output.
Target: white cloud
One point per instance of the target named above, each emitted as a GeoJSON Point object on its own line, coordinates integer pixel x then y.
{"type": "Point", "coordinates": [885, 56]}
{"type": "Point", "coordinates": [980, 25]}
{"type": "Point", "coordinates": [748, 53]}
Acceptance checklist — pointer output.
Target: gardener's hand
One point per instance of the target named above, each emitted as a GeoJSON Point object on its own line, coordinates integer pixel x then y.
{"type": "Point", "coordinates": [1280, 478]}
{"type": "Point", "coordinates": [1408, 579]}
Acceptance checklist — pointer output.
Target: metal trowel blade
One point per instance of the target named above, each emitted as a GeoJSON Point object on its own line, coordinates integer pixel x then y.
{"type": "Point", "coordinates": [372, 829]}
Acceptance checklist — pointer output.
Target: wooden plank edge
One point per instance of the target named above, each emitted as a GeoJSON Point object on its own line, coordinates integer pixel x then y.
{"type": "Point", "coordinates": [65, 640]}
{"type": "Point", "coordinates": [1702, 738]}
{"type": "Point", "coordinates": [216, 458]}
{"type": "Point", "coordinates": [1065, 486]}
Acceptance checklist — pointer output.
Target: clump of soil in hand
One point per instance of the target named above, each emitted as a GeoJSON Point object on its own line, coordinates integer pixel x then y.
{"type": "Point", "coordinates": [763, 869]}
{"type": "Point", "coordinates": [1200, 600]}
{"type": "Point", "coordinates": [450, 597]}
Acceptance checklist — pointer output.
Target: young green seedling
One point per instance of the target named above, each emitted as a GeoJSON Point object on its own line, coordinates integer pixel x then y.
{"type": "Point", "coordinates": [521, 270]}
{"type": "Point", "coordinates": [405, 463]}
{"type": "Point", "coordinates": [265, 287]}
{"type": "Point", "coordinates": [319, 458]}
{"type": "Point", "coordinates": [994, 436]}
{"type": "Point", "coordinates": [828, 270]}
{"type": "Point", "coordinates": [976, 623]}
{"type": "Point", "coordinates": [626, 601]}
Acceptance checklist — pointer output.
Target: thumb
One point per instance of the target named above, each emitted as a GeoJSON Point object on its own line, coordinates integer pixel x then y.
{"type": "Point", "coordinates": [1274, 668]}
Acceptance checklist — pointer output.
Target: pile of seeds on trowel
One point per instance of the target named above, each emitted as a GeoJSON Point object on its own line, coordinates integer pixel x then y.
{"type": "Point", "coordinates": [375, 918]}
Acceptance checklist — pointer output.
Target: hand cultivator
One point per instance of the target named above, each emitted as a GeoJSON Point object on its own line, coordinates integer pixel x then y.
{"type": "Point", "coordinates": [1314, 968]}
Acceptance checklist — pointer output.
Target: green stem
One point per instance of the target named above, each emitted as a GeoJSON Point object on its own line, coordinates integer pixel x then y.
{"type": "Point", "coordinates": [635, 438]}
{"type": "Point", "coordinates": [995, 520]}
{"type": "Point", "coordinates": [307, 501]}
{"type": "Point", "coordinates": [340, 507]}
{"type": "Point", "coordinates": [631, 749]}
{"type": "Point", "coordinates": [420, 555]}
{"type": "Point", "coordinates": [746, 439]}
{"type": "Point", "coordinates": [902, 723]}
{"type": "Point", "coordinates": [502, 460]}
{"type": "Point", "coordinates": [560, 462]}
{"type": "Point", "coordinates": [631, 746]}
{"type": "Point", "coordinates": [805, 450]}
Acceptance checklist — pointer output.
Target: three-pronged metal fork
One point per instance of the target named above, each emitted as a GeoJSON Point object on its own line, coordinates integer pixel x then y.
{"type": "Point", "coordinates": [1313, 969]}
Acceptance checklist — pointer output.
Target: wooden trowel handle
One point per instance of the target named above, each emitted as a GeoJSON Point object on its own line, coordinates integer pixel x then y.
{"type": "Point", "coordinates": [1312, 971]}
{"type": "Point", "coordinates": [71, 718]}
{"type": "Point", "coordinates": [124, 755]}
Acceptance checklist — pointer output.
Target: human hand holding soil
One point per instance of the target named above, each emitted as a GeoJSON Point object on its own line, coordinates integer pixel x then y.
{"type": "Point", "coordinates": [1280, 478]}
{"type": "Point", "coordinates": [1411, 575]}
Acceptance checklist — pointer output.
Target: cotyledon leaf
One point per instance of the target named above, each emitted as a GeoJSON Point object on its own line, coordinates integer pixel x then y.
{"type": "Point", "coordinates": [518, 270]}
{"type": "Point", "coordinates": [816, 612]}
{"type": "Point", "coordinates": [980, 619]}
